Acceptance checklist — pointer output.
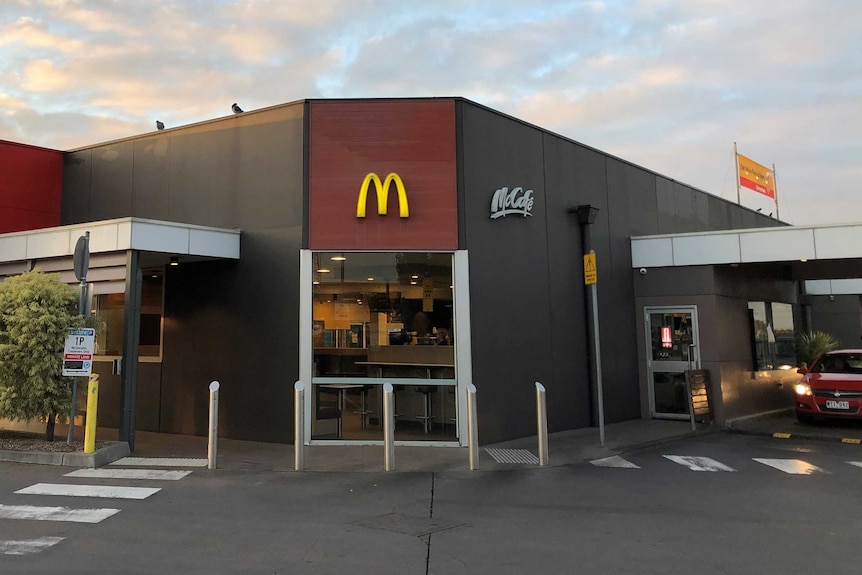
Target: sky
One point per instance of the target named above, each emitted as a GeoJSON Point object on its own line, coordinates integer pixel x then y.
{"type": "Point", "coordinates": [666, 84]}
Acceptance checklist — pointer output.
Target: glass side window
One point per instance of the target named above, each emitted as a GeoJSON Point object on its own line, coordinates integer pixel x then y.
{"type": "Point", "coordinates": [773, 335]}
{"type": "Point", "coordinates": [839, 363]}
{"type": "Point", "coordinates": [109, 310]}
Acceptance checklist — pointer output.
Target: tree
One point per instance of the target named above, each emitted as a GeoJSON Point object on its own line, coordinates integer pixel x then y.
{"type": "Point", "coordinates": [811, 345]}
{"type": "Point", "coordinates": [36, 309]}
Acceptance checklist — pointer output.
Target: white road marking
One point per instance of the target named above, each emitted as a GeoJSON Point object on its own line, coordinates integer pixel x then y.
{"type": "Point", "coordinates": [108, 491]}
{"type": "Point", "coordinates": [156, 474]}
{"type": "Point", "coordinates": [856, 463]}
{"type": "Point", "coordinates": [55, 513]}
{"type": "Point", "coordinates": [28, 545]}
{"type": "Point", "coordinates": [162, 462]}
{"type": "Point", "coordinates": [614, 461]}
{"type": "Point", "coordinates": [699, 463]}
{"type": "Point", "coordinates": [792, 466]}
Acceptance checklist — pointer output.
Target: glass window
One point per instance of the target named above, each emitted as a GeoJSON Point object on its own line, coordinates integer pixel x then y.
{"type": "Point", "coordinates": [109, 309]}
{"type": "Point", "coordinates": [380, 317]}
{"type": "Point", "coordinates": [773, 335]}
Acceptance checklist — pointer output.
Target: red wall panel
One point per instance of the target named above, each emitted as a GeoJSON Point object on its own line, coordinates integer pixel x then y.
{"type": "Point", "coordinates": [31, 187]}
{"type": "Point", "coordinates": [414, 139]}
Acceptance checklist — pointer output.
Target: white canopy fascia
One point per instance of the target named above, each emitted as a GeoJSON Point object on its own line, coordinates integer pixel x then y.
{"type": "Point", "coordinates": [777, 244]}
{"type": "Point", "coordinates": [121, 235]}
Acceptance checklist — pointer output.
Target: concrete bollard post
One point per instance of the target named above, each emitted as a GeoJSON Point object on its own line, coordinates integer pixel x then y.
{"type": "Point", "coordinates": [212, 445]}
{"type": "Point", "coordinates": [298, 426]}
{"type": "Point", "coordinates": [388, 427]}
{"type": "Point", "coordinates": [472, 427]}
{"type": "Point", "coordinates": [542, 423]}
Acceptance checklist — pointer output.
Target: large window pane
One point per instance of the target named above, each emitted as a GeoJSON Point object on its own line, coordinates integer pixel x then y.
{"type": "Point", "coordinates": [376, 317]}
{"type": "Point", "coordinates": [109, 309]}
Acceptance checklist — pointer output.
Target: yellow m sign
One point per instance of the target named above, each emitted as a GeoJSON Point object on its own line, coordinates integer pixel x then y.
{"type": "Point", "coordinates": [382, 189]}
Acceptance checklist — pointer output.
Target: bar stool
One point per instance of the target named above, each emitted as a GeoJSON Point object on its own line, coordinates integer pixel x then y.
{"type": "Point", "coordinates": [363, 412]}
{"type": "Point", "coordinates": [427, 416]}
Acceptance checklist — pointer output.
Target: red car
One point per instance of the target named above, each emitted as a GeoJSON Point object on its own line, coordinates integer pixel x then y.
{"type": "Point", "coordinates": [831, 387]}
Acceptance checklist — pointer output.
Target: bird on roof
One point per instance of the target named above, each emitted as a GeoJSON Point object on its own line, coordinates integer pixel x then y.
{"type": "Point", "coordinates": [236, 109]}
{"type": "Point", "coordinates": [160, 125]}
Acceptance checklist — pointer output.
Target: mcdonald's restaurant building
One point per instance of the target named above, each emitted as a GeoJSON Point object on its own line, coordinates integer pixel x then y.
{"type": "Point", "coordinates": [428, 243]}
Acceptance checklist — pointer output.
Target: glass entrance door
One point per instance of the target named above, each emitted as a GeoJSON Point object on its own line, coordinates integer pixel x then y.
{"type": "Point", "coordinates": [672, 348]}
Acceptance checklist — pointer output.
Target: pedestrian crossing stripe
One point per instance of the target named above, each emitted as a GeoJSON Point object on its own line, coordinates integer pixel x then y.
{"type": "Point", "coordinates": [614, 461]}
{"type": "Point", "coordinates": [855, 463]}
{"type": "Point", "coordinates": [25, 546]}
{"type": "Point", "coordinates": [791, 466]}
{"type": "Point", "coordinates": [699, 463]}
{"type": "Point", "coordinates": [106, 491]}
{"type": "Point", "coordinates": [154, 474]}
{"type": "Point", "coordinates": [38, 513]}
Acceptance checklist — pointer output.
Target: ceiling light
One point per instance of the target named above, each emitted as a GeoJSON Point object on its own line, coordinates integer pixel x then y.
{"type": "Point", "coordinates": [370, 279]}
{"type": "Point", "coordinates": [415, 277]}
{"type": "Point", "coordinates": [413, 283]}
{"type": "Point", "coordinates": [338, 258]}
{"type": "Point", "coordinates": [175, 261]}
{"type": "Point", "coordinates": [323, 271]}
{"type": "Point", "coordinates": [803, 260]}
{"type": "Point", "coordinates": [315, 282]}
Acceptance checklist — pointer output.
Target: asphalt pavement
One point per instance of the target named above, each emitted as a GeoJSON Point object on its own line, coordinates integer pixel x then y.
{"type": "Point", "coordinates": [711, 503]}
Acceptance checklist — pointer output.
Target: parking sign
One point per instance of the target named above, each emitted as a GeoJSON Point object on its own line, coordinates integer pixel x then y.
{"type": "Point", "coordinates": [78, 351]}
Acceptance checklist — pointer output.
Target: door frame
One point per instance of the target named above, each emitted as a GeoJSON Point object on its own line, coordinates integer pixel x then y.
{"type": "Point", "coordinates": [695, 326]}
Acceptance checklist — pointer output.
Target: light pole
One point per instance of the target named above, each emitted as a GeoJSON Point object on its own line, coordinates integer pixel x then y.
{"type": "Point", "coordinates": [586, 217]}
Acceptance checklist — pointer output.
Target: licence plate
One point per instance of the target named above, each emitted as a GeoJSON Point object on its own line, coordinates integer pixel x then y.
{"type": "Point", "coordinates": [831, 404]}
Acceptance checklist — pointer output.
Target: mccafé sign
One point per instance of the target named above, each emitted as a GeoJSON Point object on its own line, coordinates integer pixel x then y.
{"type": "Point", "coordinates": [382, 189]}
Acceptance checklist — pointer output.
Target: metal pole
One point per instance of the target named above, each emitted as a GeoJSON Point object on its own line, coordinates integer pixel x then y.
{"type": "Point", "coordinates": [298, 426]}
{"type": "Point", "coordinates": [596, 344]}
{"type": "Point", "coordinates": [212, 446]}
{"type": "Point", "coordinates": [388, 427]}
{"type": "Point", "coordinates": [472, 428]}
{"type": "Point", "coordinates": [81, 264]}
{"type": "Point", "coordinates": [688, 387]}
{"type": "Point", "coordinates": [736, 165]}
{"type": "Point", "coordinates": [542, 419]}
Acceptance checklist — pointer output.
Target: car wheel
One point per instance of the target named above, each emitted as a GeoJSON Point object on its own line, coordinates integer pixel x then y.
{"type": "Point", "coordinates": [805, 417]}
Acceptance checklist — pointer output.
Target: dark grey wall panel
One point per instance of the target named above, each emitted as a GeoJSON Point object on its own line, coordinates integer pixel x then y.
{"type": "Point", "coordinates": [509, 275]}
{"type": "Point", "coordinates": [111, 180]}
{"type": "Point", "coordinates": [151, 184]}
{"type": "Point", "coordinates": [574, 175]}
{"type": "Point", "coordinates": [718, 218]}
{"type": "Point", "coordinates": [236, 322]}
{"type": "Point", "coordinates": [683, 200]}
{"type": "Point", "coordinates": [840, 317]}
{"type": "Point", "coordinates": [666, 205]}
{"type": "Point", "coordinates": [76, 187]}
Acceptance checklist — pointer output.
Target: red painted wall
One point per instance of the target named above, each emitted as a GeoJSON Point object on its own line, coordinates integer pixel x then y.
{"type": "Point", "coordinates": [31, 186]}
{"type": "Point", "coordinates": [416, 140]}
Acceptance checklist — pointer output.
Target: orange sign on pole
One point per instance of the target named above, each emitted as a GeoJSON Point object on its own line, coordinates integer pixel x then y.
{"type": "Point", "coordinates": [756, 177]}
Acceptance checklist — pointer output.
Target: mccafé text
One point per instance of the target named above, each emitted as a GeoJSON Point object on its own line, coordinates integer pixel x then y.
{"type": "Point", "coordinates": [514, 201]}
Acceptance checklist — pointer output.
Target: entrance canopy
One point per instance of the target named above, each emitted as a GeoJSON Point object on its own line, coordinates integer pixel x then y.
{"type": "Point", "coordinates": [827, 257]}
{"type": "Point", "coordinates": [51, 249]}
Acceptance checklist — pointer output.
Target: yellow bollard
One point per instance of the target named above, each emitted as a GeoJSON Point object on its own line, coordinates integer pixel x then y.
{"type": "Point", "coordinates": [92, 405]}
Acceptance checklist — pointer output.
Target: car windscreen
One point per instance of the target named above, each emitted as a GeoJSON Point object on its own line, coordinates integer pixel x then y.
{"type": "Point", "coordinates": [839, 363]}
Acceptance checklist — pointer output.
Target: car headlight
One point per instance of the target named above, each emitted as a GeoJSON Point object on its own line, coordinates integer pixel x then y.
{"type": "Point", "coordinates": [803, 389]}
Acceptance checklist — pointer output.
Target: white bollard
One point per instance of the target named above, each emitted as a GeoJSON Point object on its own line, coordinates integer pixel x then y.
{"type": "Point", "coordinates": [298, 425]}
{"type": "Point", "coordinates": [542, 422]}
{"type": "Point", "coordinates": [212, 446]}
{"type": "Point", "coordinates": [472, 427]}
{"type": "Point", "coordinates": [388, 427]}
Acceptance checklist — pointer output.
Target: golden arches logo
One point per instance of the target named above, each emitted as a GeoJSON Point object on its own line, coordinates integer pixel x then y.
{"type": "Point", "coordinates": [382, 189]}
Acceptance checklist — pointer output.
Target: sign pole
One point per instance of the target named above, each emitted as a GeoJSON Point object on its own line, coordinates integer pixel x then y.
{"type": "Point", "coordinates": [81, 263]}
{"type": "Point", "coordinates": [775, 189]}
{"type": "Point", "coordinates": [736, 165]}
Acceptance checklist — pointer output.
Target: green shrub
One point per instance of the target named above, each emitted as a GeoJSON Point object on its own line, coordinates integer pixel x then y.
{"type": "Point", "coordinates": [811, 345]}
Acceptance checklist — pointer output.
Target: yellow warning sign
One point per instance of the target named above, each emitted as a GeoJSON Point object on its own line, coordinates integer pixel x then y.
{"type": "Point", "coordinates": [590, 276]}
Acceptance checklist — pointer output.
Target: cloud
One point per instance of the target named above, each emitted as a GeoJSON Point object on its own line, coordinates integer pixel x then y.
{"type": "Point", "coordinates": [668, 84]}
